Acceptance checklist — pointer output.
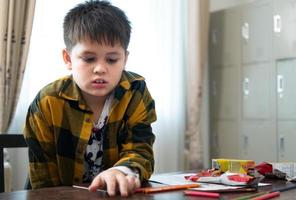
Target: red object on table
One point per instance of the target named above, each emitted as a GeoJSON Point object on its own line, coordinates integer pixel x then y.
{"type": "Point", "coordinates": [202, 194]}
{"type": "Point", "coordinates": [267, 196]}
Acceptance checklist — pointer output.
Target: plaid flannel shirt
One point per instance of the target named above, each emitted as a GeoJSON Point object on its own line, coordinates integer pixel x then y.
{"type": "Point", "coordinates": [59, 123]}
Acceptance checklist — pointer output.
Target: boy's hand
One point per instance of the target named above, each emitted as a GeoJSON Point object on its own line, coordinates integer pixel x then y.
{"type": "Point", "coordinates": [115, 180]}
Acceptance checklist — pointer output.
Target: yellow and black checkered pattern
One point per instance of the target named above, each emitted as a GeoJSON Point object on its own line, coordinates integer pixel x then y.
{"type": "Point", "coordinates": [59, 123]}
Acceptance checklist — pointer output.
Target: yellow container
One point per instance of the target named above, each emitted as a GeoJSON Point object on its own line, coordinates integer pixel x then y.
{"type": "Point", "coordinates": [233, 165]}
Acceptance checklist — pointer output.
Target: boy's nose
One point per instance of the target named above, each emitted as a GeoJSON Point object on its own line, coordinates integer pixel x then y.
{"type": "Point", "coordinates": [99, 69]}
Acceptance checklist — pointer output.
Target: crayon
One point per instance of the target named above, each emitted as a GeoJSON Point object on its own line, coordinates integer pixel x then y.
{"type": "Point", "coordinates": [202, 194]}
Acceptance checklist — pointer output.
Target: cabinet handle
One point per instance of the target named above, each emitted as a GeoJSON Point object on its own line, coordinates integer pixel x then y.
{"type": "Point", "coordinates": [280, 85]}
{"type": "Point", "coordinates": [246, 31]}
{"type": "Point", "coordinates": [246, 142]}
{"type": "Point", "coordinates": [246, 87]}
{"type": "Point", "coordinates": [282, 145]}
{"type": "Point", "coordinates": [277, 23]}
{"type": "Point", "coordinates": [214, 37]}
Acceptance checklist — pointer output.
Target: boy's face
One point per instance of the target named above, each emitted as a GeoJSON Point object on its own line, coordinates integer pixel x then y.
{"type": "Point", "coordinates": [96, 68]}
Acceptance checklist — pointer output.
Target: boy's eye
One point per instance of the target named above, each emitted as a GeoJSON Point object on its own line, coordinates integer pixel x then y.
{"type": "Point", "coordinates": [111, 60]}
{"type": "Point", "coordinates": [88, 59]}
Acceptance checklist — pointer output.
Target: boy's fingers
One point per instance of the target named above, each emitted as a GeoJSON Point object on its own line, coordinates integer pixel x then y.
{"type": "Point", "coordinates": [110, 181]}
{"type": "Point", "coordinates": [115, 181]}
{"type": "Point", "coordinates": [138, 183]}
{"type": "Point", "coordinates": [133, 183]}
{"type": "Point", "coordinates": [123, 185]}
{"type": "Point", "coordinates": [97, 183]}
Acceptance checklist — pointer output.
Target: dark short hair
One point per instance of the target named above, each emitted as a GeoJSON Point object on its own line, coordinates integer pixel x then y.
{"type": "Point", "coordinates": [98, 21]}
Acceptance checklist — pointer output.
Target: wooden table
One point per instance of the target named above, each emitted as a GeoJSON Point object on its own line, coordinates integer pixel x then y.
{"type": "Point", "coordinates": [70, 193]}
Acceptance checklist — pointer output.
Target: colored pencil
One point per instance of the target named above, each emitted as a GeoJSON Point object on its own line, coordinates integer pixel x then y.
{"type": "Point", "coordinates": [251, 196]}
{"type": "Point", "coordinates": [243, 189]}
{"type": "Point", "coordinates": [86, 188]}
{"type": "Point", "coordinates": [202, 194]}
{"type": "Point", "coordinates": [166, 188]}
{"type": "Point", "coordinates": [267, 196]}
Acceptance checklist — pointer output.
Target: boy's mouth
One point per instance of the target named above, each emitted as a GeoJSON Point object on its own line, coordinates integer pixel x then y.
{"type": "Point", "coordinates": [100, 81]}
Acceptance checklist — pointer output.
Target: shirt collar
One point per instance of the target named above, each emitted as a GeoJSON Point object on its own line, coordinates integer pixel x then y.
{"type": "Point", "coordinates": [71, 91]}
{"type": "Point", "coordinates": [127, 78]}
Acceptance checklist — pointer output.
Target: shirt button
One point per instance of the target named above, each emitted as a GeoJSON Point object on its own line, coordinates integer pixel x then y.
{"type": "Point", "coordinates": [87, 120]}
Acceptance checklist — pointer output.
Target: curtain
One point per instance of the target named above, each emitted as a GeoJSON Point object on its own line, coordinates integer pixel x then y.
{"type": "Point", "coordinates": [15, 29]}
{"type": "Point", "coordinates": [197, 42]}
{"type": "Point", "coordinates": [157, 53]}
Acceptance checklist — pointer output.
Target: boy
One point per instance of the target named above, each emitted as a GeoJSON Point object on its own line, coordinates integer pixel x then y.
{"type": "Point", "coordinates": [93, 126]}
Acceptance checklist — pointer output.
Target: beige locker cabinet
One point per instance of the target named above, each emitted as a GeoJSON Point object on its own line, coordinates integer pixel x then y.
{"type": "Point", "coordinates": [258, 141]}
{"type": "Point", "coordinates": [252, 81]}
{"type": "Point", "coordinates": [224, 83]}
{"type": "Point", "coordinates": [225, 38]}
{"type": "Point", "coordinates": [284, 17]}
{"type": "Point", "coordinates": [257, 92]}
{"type": "Point", "coordinates": [256, 31]}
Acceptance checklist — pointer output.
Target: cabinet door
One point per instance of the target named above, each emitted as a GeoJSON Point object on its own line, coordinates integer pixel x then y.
{"type": "Point", "coordinates": [226, 139]}
{"type": "Point", "coordinates": [257, 89]}
{"type": "Point", "coordinates": [284, 28]}
{"type": "Point", "coordinates": [225, 93]}
{"type": "Point", "coordinates": [286, 92]}
{"type": "Point", "coordinates": [225, 38]}
{"type": "Point", "coordinates": [286, 140]}
{"type": "Point", "coordinates": [256, 31]}
{"type": "Point", "coordinates": [258, 141]}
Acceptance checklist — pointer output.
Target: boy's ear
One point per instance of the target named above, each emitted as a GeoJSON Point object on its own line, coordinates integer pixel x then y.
{"type": "Point", "coordinates": [126, 57]}
{"type": "Point", "coordinates": [67, 59]}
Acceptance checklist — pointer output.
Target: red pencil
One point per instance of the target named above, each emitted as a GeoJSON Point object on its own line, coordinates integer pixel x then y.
{"type": "Point", "coordinates": [202, 194]}
{"type": "Point", "coordinates": [267, 196]}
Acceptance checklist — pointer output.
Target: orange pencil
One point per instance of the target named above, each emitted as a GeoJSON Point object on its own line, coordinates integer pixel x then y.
{"type": "Point", "coordinates": [166, 188]}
